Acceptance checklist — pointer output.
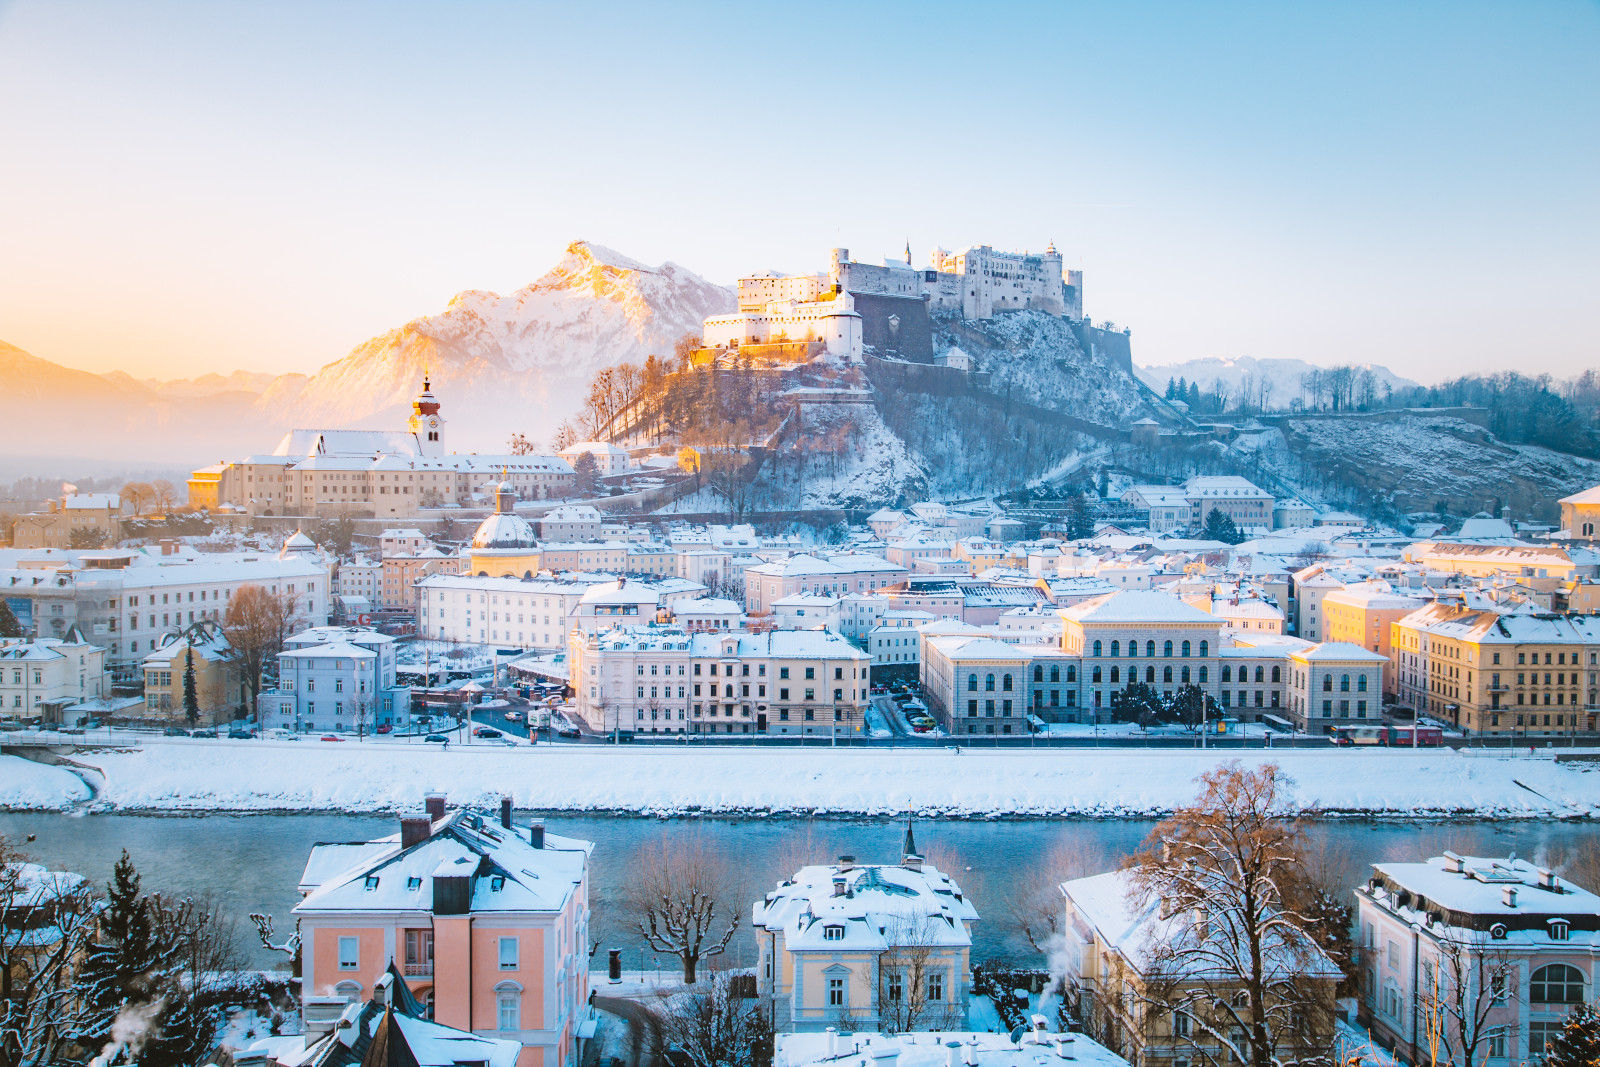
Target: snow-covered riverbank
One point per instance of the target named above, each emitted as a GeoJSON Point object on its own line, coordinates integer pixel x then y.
{"type": "Point", "coordinates": [310, 776]}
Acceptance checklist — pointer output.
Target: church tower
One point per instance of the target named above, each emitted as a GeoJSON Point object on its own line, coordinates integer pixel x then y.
{"type": "Point", "coordinates": [425, 422]}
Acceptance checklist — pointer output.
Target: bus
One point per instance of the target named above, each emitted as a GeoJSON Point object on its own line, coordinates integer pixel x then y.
{"type": "Point", "coordinates": [1394, 736]}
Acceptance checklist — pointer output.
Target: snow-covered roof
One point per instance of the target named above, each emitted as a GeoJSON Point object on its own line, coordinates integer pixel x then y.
{"type": "Point", "coordinates": [1340, 652]}
{"type": "Point", "coordinates": [1135, 606]}
{"type": "Point", "coordinates": [1476, 886]}
{"type": "Point", "coordinates": [933, 1049]}
{"type": "Point", "coordinates": [876, 905]}
{"type": "Point", "coordinates": [506, 872]}
{"type": "Point", "coordinates": [1588, 496]}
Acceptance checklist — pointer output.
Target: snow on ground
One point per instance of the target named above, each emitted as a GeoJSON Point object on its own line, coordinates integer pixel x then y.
{"type": "Point", "coordinates": [26, 784]}
{"type": "Point", "coordinates": [187, 775]}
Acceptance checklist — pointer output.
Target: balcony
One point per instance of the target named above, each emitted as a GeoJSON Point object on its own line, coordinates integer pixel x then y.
{"type": "Point", "coordinates": [418, 968]}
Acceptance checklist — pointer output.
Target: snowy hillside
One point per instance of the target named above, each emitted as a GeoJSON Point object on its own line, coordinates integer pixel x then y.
{"type": "Point", "coordinates": [519, 362]}
{"type": "Point", "coordinates": [1283, 374]}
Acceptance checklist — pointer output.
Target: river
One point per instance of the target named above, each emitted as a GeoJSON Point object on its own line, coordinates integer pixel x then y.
{"type": "Point", "coordinates": [252, 863]}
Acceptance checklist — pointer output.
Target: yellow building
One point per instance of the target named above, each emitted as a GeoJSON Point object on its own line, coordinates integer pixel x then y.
{"type": "Point", "coordinates": [219, 684]}
{"type": "Point", "coordinates": [1528, 563]}
{"type": "Point", "coordinates": [867, 947]}
{"type": "Point", "coordinates": [1580, 515]}
{"type": "Point", "coordinates": [96, 518]}
{"type": "Point", "coordinates": [1112, 941]}
{"type": "Point", "coordinates": [1534, 674]}
{"type": "Point", "coordinates": [1364, 614]}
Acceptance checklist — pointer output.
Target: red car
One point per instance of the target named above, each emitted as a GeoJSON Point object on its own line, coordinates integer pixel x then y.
{"type": "Point", "coordinates": [330, 737]}
{"type": "Point", "coordinates": [385, 728]}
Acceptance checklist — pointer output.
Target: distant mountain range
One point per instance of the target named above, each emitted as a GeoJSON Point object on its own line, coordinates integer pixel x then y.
{"type": "Point", "coordinates": [500, 364]}
{"type": "Point", "coordinates": [1283, 374]}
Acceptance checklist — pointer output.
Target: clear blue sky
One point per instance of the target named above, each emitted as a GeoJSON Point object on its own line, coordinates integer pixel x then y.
{"type": "Point", "coordinates": [187, 187]}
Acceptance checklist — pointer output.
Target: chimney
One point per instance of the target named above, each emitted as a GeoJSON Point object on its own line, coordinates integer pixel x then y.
{"type": "Point", "coordinates": [969, 1052]}
{"type": "Point", "coordinates": [833, 1041]}
{"type": "Point", "coordinates": [414, 830]}
{"type": "Point", "coordinates": [846, 862]}
{"type": "Point", "coordinates": [1064, 1047]}
{"type": "Point", "coordinates": [886, 1055]}
{"type": "Point", "coordinates": [434, 803]}
{"type": "Point", "coordinates": [953, 1054]}
{"type": "Point", "coordinates": [839, 884]}
{"type": "Point", "coordinates": [1548, 880]}
{"type": "Point", "coordinates": [505, 812]}
{"type": "Point", "coordinates": [1508, 896]}
{"type": "Point", "coordinates": [1454, 863]}
{"type": "Point", "coordinates": [536, 835]}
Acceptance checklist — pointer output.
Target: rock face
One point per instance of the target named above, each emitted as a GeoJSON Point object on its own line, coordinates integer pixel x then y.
{"type": "Point", "coordinates": [519, 362]}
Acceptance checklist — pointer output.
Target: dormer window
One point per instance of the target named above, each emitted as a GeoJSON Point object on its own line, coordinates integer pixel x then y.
{"type": "Point", "coordinates": [372, 881]}
{"type": "Point", "coordinates": [1559, 929]}
{"type": "Point", "coordinates": [413, 882]}
{"type": "Point", "coordinates": [833, 933]}
{"type": "Point", "coordinates": [497, 883]}
{"type": "Point", "coordinates": [1498, 931]}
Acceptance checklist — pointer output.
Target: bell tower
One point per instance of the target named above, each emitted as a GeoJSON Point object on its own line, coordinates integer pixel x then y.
{"type": "Point", "coordinates": [425, 422]}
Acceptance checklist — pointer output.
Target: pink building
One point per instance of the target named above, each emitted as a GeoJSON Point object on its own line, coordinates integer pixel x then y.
{"type": "Point", "coordinates": [487, 921]}
{"type": "Point", "coordinates": [1483, 957]}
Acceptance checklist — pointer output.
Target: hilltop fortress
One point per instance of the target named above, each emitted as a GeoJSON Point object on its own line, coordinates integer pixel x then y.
{"type": "Point", "coordinates": [889, 308]}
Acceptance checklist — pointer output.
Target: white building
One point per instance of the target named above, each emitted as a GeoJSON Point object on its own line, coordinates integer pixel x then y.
{"type": "Point", "coordinates": [571, 522]}
{"type": "Point", "coordinates": [335, 679]}
{"type": "Point", "coordinates": [834, 575]}
{"type": "Point", "coordinates": [609, 459]}
{"type": "Point", "coordinates": [49, 669]}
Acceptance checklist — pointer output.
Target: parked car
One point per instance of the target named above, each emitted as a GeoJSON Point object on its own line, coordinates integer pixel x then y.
{"type": "Point", "coordinates": [174, 731]}
{"type": "Point", "coordinates": [513, 716]}
{"type": "Point", "coordinates": [74, 730]}
{"type": "Point", "coordinates": [437, 739]}
{"type": "Point", "coordinates": [203, 733]}
{"type": "Point", "coordinates": [331, 737]}
{"type": "Point", "coordinates": [384, 728]}
{"type": "Point", "coordinates": [568, 731]}
{"type": "Point", "coordinates": [241, 733]}
{"type": "Point", "coordinates": [486, 731]}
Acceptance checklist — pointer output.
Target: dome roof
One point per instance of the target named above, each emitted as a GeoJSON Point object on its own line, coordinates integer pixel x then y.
{"type": "Point", "coordinates": [504, 530]}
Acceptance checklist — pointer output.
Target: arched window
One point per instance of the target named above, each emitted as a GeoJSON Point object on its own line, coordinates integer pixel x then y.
{"type": "Point", "coordinates": [1055, 673]}
{"type": "Point", "coordinates": [972, 683]}
{"type": "Point", "coordinates": [1277, 674]}
{"type": "Point", "coordinates": [1166, 674]}
{"type": "Point", "coordinates": [1038, 673]}
{"type": "Point", "coordinates": [1116, 675]}
{"type": "Point", "coordinates": [1556, 983]}
{"type": "Point", "coordinates": [1095, 677]}
{"type": "Point", "coordinates": [1260, 675]}
{"type": "Point", "coordinates": [1116, 649]}
{"type": "Point", "coordinates": [1344, 683]}
{"type": "Point", "coordinates": [1327, 683]}
{"type": "Point", "coordinates": [1072, 673]}
{"type": "Point", "coordinates": [1361, 683]}
{"type": "Point", "coordinates": [1150, 675]}
{"type": "Point", "coordinates": [508, 1006]}
{"type": "Point", "coordinates": [1203, 672]}
{"type": "Point", "coordinates": [1186, 649]}
{"type": "Point", "coordinates": [1205, 649]}
{"type": "Point", "coordinates": [988, 683]}
{"type": "Point", "coordinates": [1185, 676]}
{"type": "Point", "coordinates": [1227, 673]}
{"type": "Point", "coordinates": [1097, 648]}
{"type": "Point", "coordinates": [1167, 649]}
{"type": "Point", "coordinates": [1005, 683]}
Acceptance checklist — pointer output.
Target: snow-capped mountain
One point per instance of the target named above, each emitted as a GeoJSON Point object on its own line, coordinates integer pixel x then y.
{"type": "Point", "coordinates": [1283, 374]}
{"type": "Point", "coordinates": [514, 363]}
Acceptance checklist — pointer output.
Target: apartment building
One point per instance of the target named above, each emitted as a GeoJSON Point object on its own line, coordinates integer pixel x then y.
{"type": "Point", "coordinates": [664, 679]}
{"type": "Point", "coordinates": [1364, 613]}
{"type": "Point", "coordinates": [488, 920]}
{"type": "Point", "coordinates": [335, 679]}
{"type": "Point", "coordinates": [1503, 944]}
{"type": "Point", "coordinates": [833, 575]}
{"type": "Point", "coordinates": [1534, 674]}
{"type": "Point", "coordinates": [1335, 684]}
{"type": "Point", "coordinates": [220, 688]}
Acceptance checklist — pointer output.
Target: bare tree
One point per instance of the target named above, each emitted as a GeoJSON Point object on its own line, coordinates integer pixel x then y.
{"type": "Point", "coordinates": [1034, 904]}
{"type": "Point", "coordinates": [1236, 958]}
{"type": "Point", "coordinates": [1463, 995]}
{"type": "Point", "coordinates": [137, 496]}
{"type": "Point", "coordinates": [256, 623]}
{"type": "Point", "coordinates": [520, 445]}
{"type": "Point", "coordinates": [164, 495]}
{"type": "Point", "coordinates": [680, 903]}
{"type": "Point", "coordinates": [914, 984]}
{"type": "Point", "coordinates": [718, 1026]}
{"type": "Point", "coordinates": [47, 928]}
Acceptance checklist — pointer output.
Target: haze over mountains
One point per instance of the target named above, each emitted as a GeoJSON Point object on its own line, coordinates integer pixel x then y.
{"type": "Point", "coordinates": [501, 364]}
{"type": "Point", "coordinates": [1284, 375]}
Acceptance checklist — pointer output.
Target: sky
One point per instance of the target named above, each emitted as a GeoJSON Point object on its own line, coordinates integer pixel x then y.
{"type": "Point", "coordinates": [194, 187]}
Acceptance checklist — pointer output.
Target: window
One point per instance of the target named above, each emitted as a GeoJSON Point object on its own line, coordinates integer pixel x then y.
{"type": "Point", "coordinates": [936, 986]}
{"type": "Point", "coordinates": [836, 992]}
{"type": "Point", "coordinates": [508, 1008]}
{"type": "Point", "coordinates": [350, 953]}
{"type": "Point", "coordinates": [1391, 999]}
{"type": "Point", "coordinates": [1180, 1024]}
{"type": "Point", "coordinates": [833, 933]}
{"type": "Point", "coordinates": [508, 953]}
{"type": "Point", "coordinates": [1497, 1041]}
{"type": "Point", "coordinates": [896, 988]}
{"type": "Point", "coordinates": [1559, 929]}
{"type": "Point", "coordinates": [1541, 1034]}
{"type": "Point", "coordinates": [1556, 983]}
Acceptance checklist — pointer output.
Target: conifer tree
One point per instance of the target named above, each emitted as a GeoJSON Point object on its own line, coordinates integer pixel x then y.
{"type": "Point", "coordinates": [1219, 527]}
{"type": "Point", "coordinates": [191, 699]}
{"type": "Point", "coordinates": [9, 626]}
{"type": "Point", "coordinates": [1578, 1044]}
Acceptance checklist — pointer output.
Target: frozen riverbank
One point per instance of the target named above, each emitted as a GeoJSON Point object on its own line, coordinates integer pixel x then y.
{"type": "Point", "coordinates": [248, 776]}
